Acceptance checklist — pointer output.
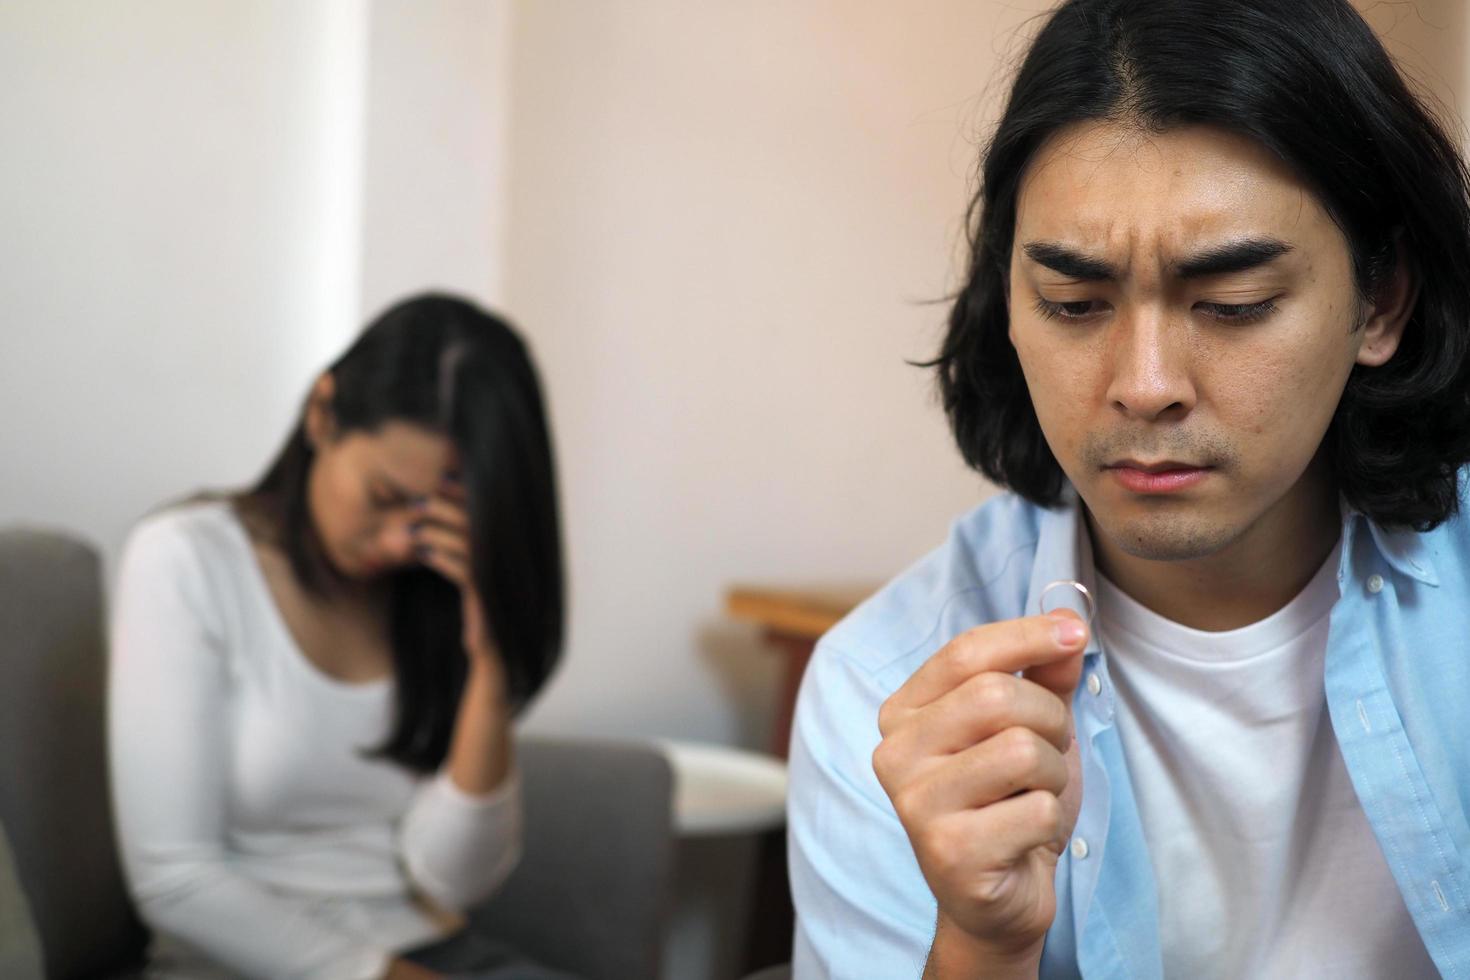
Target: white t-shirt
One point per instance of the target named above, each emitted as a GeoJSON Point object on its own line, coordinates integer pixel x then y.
{"type": "Point", "coordinates": [1265, 863]}
{"type": "Point", "coordinates": [256, 837]}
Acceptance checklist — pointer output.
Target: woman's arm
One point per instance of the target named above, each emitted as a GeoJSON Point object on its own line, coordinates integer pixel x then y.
{"type": "Point", "coordinates": [462, 836]}
{"type": "Point", "coordinates": [480, 751]}
{"type": "Point", "coordinates": [168, 693]}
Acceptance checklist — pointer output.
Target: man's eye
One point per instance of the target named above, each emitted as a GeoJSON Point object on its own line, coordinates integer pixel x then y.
{"type": "Point", "coordinates": [1239, 312]}
{"type": "Point", "coordinates": [1076, 310]}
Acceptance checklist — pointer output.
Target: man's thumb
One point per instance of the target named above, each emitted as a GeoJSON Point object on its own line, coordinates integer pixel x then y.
{"type": "Point", "coordinates": [1060, 676]}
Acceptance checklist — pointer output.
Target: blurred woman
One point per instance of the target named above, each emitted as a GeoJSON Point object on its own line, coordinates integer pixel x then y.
{"type": "Point", "coordinates": [312, 681]}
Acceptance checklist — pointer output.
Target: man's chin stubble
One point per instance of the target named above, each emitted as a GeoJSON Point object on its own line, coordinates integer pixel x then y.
{"type": "Point", "coordinates": [1168, 538]}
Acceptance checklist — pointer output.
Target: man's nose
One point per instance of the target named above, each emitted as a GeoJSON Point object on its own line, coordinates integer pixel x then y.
{"type": "Point", "coordinates": [1152, 377]}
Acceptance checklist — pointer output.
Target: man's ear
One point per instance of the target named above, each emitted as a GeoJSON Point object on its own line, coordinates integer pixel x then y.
{"type": "Point", "coordinates": [321, 424]}
{"type": "Point", "coordinates": [1389, 308]}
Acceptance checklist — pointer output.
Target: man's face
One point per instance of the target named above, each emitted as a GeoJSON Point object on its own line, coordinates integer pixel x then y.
{"type": "Point", "coordinates": [1180, 301]}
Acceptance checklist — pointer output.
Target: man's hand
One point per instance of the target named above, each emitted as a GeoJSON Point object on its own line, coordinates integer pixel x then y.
{"type": "Point", "coordinates": [983, 771]}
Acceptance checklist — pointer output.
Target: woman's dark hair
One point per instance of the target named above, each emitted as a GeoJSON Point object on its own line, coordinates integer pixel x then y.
{"type": "Point", "coordinates": [446, 365]}
{"type": "Point", "coordinates": [1309, 81]}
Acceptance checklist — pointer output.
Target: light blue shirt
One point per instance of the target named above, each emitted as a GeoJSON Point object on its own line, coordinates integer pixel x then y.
{"type": "Point", "coordinates": [1397, 683]}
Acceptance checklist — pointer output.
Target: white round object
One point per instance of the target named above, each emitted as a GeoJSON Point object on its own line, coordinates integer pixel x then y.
{"type": "Point", "coordinates": [720, 790]}
{"type": "Point", "coordinates": [1375, 584]}
{"type": "Point", "coordinates": [1079, 848]}
{"type": "Point", "coordinates": [1094, 684]}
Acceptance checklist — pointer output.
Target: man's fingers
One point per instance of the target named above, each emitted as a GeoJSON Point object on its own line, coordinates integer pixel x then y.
{"type": "Point", "coordinates": [983, 706]}
{"type": "Point", "coordinates": [1008, 647]}
{"type": "Point", "coordinates": [1059, 676]}
{"type": "Point", "coordinates": [968, 843]}
{"type": "Point", "coordinates": [1015, 761]}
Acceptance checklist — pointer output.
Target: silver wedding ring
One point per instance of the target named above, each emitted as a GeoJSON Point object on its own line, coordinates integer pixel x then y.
{"type": "Point", "coordinates": [1064, 602]}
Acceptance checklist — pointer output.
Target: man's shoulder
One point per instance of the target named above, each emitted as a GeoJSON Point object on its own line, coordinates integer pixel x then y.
{"type": "Point", "coordinates": [979, 574]}
{"type": "Point", "coordinates": [1458, 526]}
{"type": "Point", "coordinates": [1448, 544]}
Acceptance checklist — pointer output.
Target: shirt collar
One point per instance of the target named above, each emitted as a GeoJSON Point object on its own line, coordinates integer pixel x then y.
{"type": "Point", "coordinates": [1404, 550]}
{"type": "Point", "coordinates": [1064, 552]}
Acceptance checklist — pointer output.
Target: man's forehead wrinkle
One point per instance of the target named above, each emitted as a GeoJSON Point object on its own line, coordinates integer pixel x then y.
{"type": "Point", "coordinates": [1051, 156]}
{"type": "Point", "coordinates": [1114, 225]}
{"type": "Point", "coordinates": [1155, 208]}
{"type": "Point", "coordinates": [1105, 146]}
{"type": "Point", "coordinates": [1068, 146]}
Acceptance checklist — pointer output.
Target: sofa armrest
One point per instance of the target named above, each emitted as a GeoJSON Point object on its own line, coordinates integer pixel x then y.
{"type": "Point", "coordinates": [591, 893]}
{"type": "Point", "coordinates": [20, 949]}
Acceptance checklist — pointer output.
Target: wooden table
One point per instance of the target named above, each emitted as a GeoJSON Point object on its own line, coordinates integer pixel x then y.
{"type": "Point", "coordinates": [794, 618]}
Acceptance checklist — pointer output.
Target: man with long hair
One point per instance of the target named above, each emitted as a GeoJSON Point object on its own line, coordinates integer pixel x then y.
{"type": "Point", "coordinates": [1214, 339]}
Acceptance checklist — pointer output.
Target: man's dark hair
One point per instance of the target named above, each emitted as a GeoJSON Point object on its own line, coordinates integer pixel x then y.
{"type": "Point", "coordinates": [1308, 80]}
{"type": "Point", "coordinates": [446, 365]}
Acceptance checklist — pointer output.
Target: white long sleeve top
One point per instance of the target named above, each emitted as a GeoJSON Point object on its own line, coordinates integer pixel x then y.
{"type": "Point", "coordinates": [257, 838]}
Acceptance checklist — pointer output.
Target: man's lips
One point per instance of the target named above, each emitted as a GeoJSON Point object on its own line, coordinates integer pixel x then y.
{"type": "Point", "coordinates": [1162, 467]}
{"type": "Point", "coordinates": [1168, 476]}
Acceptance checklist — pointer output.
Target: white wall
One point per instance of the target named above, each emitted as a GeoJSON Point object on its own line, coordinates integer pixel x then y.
{"type": "Point", "coordinates": [434, 202]}
{"type": "Point", "coordinates": [200, 202]}
{"type": "Point", "coordinates": [726, 218]}
{"type": "Point", "coordinates": [178, 243]}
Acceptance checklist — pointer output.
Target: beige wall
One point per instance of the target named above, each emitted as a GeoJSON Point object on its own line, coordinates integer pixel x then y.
{"type": "Point", "coordinates": [726, 218]}
{"type": "Point", "coordinates": [178, 243]}
{"type": "Point", "coordinates": [1429, 39]}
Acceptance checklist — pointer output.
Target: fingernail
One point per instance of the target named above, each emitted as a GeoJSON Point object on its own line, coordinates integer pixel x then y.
{"type": "Point", "coordinates": [1070, 633]}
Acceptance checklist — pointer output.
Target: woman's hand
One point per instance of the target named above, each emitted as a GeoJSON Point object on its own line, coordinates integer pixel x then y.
{"type": "Point", "coordinates": [441, 541]}
{"type": "Point", "coordinates": [480, 747]}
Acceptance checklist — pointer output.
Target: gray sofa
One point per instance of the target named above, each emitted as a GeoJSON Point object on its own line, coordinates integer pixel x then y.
{"type": "Point", "coordinates": [589, 896]}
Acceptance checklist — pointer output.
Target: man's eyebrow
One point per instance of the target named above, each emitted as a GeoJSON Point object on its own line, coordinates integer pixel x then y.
{"type": "Point", "coordinates": [1069, 262]}
{"type": "Point", "coordinates": [1237, 256]}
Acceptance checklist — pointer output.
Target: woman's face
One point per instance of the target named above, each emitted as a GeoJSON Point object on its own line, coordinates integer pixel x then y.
{"type": "Point", "coordinates": [362, 485]}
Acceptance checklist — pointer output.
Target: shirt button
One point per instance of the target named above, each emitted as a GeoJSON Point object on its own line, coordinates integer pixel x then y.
{"type": "Point", "coordinates": [1094, 684]}
{"type": "Point", "coordinates": [1079, 848]}
{"type": "Point", "coordinates": [1375, 584]}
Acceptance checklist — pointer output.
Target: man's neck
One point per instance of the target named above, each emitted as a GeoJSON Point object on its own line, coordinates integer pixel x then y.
{"type": "Point", "coordinates": [1249, 579]}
